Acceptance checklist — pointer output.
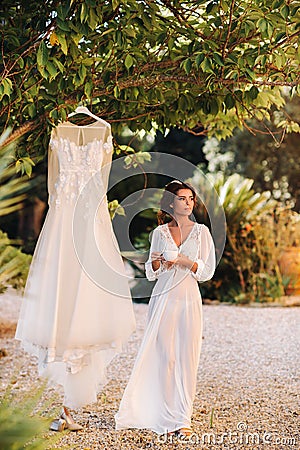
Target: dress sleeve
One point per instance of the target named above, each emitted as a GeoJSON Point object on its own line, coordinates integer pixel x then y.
{"type": "Point", "coordinates": [107, 158]}
{"type": "Point", "coordinates": [206, 258]}
{"type": "Point", "coordinates": [156, 246]}
{"type": "Point", "coordinates": [53, 170]}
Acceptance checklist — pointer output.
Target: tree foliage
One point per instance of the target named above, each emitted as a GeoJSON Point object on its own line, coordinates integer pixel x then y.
{"type": "Point", "coordinates": [259, 157]}
{"type": "Point", "coordinates": [206, 66]}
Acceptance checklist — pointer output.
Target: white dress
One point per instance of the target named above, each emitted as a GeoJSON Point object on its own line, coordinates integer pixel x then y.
{"type": "Point", "coordinates": [161, 389]}
{"type": "Point", "coordinates": [77, 309]}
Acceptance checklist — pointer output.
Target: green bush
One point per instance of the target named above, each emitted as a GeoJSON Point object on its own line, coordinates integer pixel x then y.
{"type": "Point", "coordinates": [20, 426]}
{"type": "Point", "coordinates": [14, 264]}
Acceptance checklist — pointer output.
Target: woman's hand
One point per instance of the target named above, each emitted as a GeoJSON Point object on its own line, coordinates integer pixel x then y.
{"type": "Point", "coordinates": [168, 264]}
{"type": "Point", "coordinates": [157, 259]}
{"type": "Point", "coordinates": [184, 261]}
{"type": "Point", "coordinates": [181, 260]}
{"type": "Point", "coordinates": [157, 256]}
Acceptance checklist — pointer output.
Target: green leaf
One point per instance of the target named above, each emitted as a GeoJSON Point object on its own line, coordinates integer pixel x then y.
{"type": "Point", "coordinates": [130, 32]}
{"type": "Point", "coordinates": [182, 103]}
{"type": "Point", "coordinates": [42, 54]}
{"type": "Point", "coordinates": [93, 19]}
{"type": "Point", "coordinates": [43, 72]}
{"type": "Point", "coordinates": [199, 59]}
{"type": "Point", "coordinates": [115, 3]}
{"type": "Point", "coordinates": [83, 13]}
{"type": "Point", "coordinates": [253, 92]}
{"type": "Point", "coordinates": [88, 89]}
{"type": "Point", "coordinates": [135, 92]}
{"type": "Point", "coordinates": [63, 25]}
{"type": "Point", "coordinates": [24, 165]}
{"type": "Point", "coordinates": [147, 156]}
{"type": "Point", "coordinates": [53, 114]}
{"type": "Point", "coordinates": [210, 7]}
{"type": "Point", "coordinates": [250, 74]}
{"type": "Point", "coordinates": [82, 72]}
{"type": "Point", "coordinates": [206, 65]}
{"type": "Point", "coordinates": [28, 163]}
{"type": "Point", "coordinates": [126, 149]}
{"type": "Point", "coordinates": [280, 36]}
{"type": "Point", "coordinates": [76, 38]}
{"type": "Point", "coordinates": [63, 43]}
{"type": "Point", "coordinates": [52, 70]}
{"type": "Point", "coordinates": [128, 61]}
{"type": "Point", "coordinates": [32, 110]}
{"type": "Point", "coordinates": [238, 95]}
{"type": "Point", "coordinates": [285, 10]}
{"type": "Point", "coordinates": [116, 91]}
{"type": "Point", "coordinates": [171, 42]}
{"type": "Point", "coordinates": [63, 10]}
{"type": "Point", "coordinates": [277, 3]}
{"type": "Point", "coordinates": [262, 25]}
{"type": "Point", "coordinates": [270, 30]}
{"type": "Point", "coordinates": [187, 65]}
{"type": "Point", "coordinates": [63, 114]}
{"type": "Point", "coordinates": [218, 58]}
{"type": "Point", "coordinates": [7, 86]}
{"type": "Point", "coordinates": [279, 60]}
{"type": "Point", "coordinates": [213, 107]}
{"type": "Point", "coordinates": [229, 101]}
{"type": "Point", "coordinates": [59, 65]}
{"type": "Point", "coordinates": [21, 63]}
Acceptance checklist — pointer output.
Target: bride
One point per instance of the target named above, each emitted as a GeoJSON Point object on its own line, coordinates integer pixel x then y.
{"type": "Point", "coordinates": [161, 389]}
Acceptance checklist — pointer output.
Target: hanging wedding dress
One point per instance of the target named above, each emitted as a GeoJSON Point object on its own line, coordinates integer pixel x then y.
{"type": "Point", "coordinates": [77, 310]}
{"type": "Point", "coordinates": [161, 388]}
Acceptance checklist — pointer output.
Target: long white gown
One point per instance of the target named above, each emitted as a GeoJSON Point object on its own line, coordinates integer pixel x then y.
{"type": "Point", "coordinates": [77, 309]}
{"type": "Point", "coordinates": [161, 389]}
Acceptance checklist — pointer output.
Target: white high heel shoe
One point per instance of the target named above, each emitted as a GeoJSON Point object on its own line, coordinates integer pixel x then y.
{"type": "Point", "coordinates": [58, 425]}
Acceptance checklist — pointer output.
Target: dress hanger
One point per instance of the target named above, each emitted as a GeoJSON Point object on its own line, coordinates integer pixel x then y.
{"type": "Point", "coordinates": [85, 110]}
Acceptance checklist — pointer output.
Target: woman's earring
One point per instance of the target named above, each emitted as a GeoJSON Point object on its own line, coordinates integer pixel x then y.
{"type": "Point", "coordinates": [171, 206]}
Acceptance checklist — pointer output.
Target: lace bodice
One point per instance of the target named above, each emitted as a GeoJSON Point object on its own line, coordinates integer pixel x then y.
{"type": "Point", "coordinates": [76, 154]}
{"type": "Point", "coordinates": [198, 247]}
{"type": "Point", "coordinates": [170, 244]}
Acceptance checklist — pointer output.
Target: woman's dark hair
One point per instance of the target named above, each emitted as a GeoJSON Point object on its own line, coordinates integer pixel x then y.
{"type": "Point", "coordinates": [171, 189]}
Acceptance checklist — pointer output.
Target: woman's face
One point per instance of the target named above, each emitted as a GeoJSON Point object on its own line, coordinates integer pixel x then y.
{"type": "Point", "coordinates": [183, 203]}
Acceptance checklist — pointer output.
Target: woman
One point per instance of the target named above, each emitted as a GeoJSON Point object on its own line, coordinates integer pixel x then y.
{"type": "Point", "coordinates": [161, 389]}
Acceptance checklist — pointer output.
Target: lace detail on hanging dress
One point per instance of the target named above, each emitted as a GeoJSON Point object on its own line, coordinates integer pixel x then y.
{"type": "Point", "coordinates": [78, 164]}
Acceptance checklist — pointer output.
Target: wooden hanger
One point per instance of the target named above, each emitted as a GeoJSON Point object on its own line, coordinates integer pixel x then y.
{"type": "Point", "coordinates": [86, 111]}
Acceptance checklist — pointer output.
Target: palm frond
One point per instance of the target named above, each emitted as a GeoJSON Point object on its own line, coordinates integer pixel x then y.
{"type": "Point", "coordinates": [13, 187]}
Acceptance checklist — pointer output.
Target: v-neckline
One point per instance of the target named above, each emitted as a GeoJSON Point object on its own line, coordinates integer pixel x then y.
{"type": "Point", "coordinates": [180, 245]}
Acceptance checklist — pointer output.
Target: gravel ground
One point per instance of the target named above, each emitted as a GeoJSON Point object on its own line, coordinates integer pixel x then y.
{"type": "Point", "coordinates": [248, 391]}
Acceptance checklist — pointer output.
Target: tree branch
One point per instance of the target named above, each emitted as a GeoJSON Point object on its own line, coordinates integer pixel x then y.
{"type": "Point", "coordinates": [229, 28]}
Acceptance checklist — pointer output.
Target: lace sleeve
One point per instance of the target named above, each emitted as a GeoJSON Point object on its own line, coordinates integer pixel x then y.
{"type": "Point", "coordinates": [156, 246]}
{"type": "Point", "coordinates": [206, 258]}
{"type": "Point", "coordinates": [107, 158]}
